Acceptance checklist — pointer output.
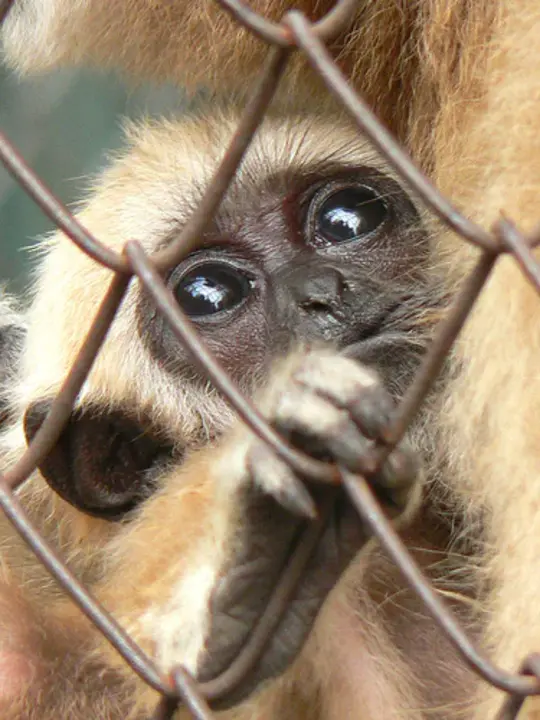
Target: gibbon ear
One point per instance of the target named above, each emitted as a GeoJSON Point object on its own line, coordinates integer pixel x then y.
{"type": "Point", "coordinates": [102, 463]}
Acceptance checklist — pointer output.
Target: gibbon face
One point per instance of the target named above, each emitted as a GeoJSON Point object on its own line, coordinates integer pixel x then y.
{"type": "Point", "coordinates": [308, 286]}
{"type": "Point", "coordinates": [314, 243]}
{"type": "Point", "coordinates": [447, 77]}
{"type": "Point", "coordinates": [316, 255]}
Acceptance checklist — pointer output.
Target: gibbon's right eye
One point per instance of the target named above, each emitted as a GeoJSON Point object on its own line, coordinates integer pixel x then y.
{"type": "Point", "coordinates": [211, 288]}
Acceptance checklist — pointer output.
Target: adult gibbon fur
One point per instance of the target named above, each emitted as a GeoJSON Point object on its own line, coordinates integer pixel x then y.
{"type": "Point", "coordinates": [457, 82]}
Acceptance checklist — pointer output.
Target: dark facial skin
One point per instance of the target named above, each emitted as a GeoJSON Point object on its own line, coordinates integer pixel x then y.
{"type": "Point", "coordinates": [336, 257]}
{"type": "Point", "coordinates": [301, 258]}
{"type": "Point", "coordinates": [333, 255]}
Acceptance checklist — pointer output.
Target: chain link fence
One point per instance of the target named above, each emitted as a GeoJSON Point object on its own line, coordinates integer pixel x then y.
{"type": "Point", "coordinates": [293, 34]}
{"type": "Point", "coordinates": [65, 123]}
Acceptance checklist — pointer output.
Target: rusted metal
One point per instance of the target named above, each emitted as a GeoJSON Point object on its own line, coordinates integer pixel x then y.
{"type": "Point", "coordinates": [63, 403]}
{"type": "Point", "coordinates": [251, 119]}
{"type": "Point", "coordinates": [293, 34]}
{"type": "Point", "coordinates": [513, 703]}
{"type": "Point", "coordinates": [270, 32]}
{"type": "Point", "coordinates": [221, 686]}
{"type": "Point", "coordinates": [188, 336]}
{"type": "Point", "coordinates": [441, 344]}
{"type": "Point", "coordinates": [4, 9]}
{"type": "Point", "coordinates": [367, 121]}
{"type": "Point", "coordinates": [516, 243]}
{"type": "Point", "coordinates": [371, 513]}
{"type": "Point", "coordinates": [54, 209]}
{"type": "Point", "coordinates": [111, 630]}
{"type": "Point", "coordinates": [334, 23]}
{"type": "Point", "coordinates": [187, 689]}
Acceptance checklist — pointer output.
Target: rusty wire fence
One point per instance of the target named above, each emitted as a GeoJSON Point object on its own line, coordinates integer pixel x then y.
{"type": "Point", "coordinates": [293, 34]}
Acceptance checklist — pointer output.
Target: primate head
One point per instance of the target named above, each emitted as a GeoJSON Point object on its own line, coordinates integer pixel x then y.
{"type": "Point", "coordinates": [315, 242]}
{"type": "Point", "coordinates": [150, 491]}
{"type": "Point", "coordinates": [319, 251]}
{"type": "Point", "coordinates": [316, 246]}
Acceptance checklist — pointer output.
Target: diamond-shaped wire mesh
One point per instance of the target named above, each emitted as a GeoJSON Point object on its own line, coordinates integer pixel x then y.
{"type": "Point", "coordinates": [294, 33]}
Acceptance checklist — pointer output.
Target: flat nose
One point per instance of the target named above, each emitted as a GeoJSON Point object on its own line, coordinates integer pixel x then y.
{"type": "Point", "coordinates": [321, 291]}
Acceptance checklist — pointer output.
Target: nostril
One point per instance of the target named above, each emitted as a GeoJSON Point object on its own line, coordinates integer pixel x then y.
{"type": "Point", "coordinates": [318, 306]}
{"type": "Point", "coordinates": [321, 292]}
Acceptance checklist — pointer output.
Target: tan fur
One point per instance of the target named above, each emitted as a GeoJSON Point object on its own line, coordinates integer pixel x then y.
{"type": "Point", "coordinates": [458, 81]}
{"type": "Point", "coordinates": [158, 596]}
{"type": "Point", "coordinates": [404, 57]}
{"type": "Point", "coordinates": [497, 460]}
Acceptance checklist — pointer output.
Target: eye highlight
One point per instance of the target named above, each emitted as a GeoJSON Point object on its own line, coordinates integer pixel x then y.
{"type": "Point", "coordinates": [211, 288]}
{"type": "Point", "coordinates": [347, 214]}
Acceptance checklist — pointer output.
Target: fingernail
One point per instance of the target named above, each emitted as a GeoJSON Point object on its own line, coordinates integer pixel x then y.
{"type": "Point", "coordinates": [294, 497]}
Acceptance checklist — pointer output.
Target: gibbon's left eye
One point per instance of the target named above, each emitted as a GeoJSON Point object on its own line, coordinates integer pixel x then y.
{"type": "Point", "coordinates": [348, 214]}
{"type": "Point", "coordinates": [211, 288]}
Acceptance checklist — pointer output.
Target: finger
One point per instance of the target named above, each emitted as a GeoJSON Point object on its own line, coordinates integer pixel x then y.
{"type": "Point", "coordinates": [277, 479]}
{"type": "Point", "coordinates": [321, 429]}
{"type": "Point", "coordinates": [351, 386]}
{"type": "Point", "coordinates": [396, 482]}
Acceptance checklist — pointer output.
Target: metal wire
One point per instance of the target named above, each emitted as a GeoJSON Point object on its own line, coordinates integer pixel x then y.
{"type": "Point", "coordinates": [367, 121]}
{"type": "Point", "coordinates": [293, 34]}
{"type": "Point", "coordinates": [55, 210]}
{"type": "Point", "coordinates": [332, 24]}
{"type": "Point", "coordinates": [251, 119]}
{"type": "Point", "coordinates": [4, 9]}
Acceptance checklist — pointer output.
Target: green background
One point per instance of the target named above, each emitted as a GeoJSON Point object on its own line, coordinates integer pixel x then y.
{"type": "Point", "coordinates": [63, 124]}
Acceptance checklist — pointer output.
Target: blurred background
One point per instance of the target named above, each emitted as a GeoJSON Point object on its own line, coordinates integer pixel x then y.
{"type": "Point", "coordinates": [64, 125]}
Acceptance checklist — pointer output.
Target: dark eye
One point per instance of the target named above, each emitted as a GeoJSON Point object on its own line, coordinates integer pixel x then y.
{"type": "Point", "coordinates": [349, 214]}
{"type": "Point", "coordinates": [211, 288]}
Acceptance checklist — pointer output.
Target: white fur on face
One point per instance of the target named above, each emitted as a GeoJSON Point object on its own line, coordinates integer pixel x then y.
{"type": "Point", "coordinates": [179, 627]}
{"type": "Point", "coordinates": [147, 195]}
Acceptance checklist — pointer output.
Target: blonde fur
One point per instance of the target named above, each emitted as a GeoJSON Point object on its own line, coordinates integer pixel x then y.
{"type": "Point", "coordinates": [162, 596]}
{"type": "Point", "coordinates": [457, 80]}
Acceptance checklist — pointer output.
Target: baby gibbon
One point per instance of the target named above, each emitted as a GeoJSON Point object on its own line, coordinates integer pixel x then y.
{"type": "Point", "coordinates": [457, 81]}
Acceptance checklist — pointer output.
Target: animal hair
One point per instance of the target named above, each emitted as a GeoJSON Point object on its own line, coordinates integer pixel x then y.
{"type": "Point", "coordinates": [146, 194]}
{"type": "Point", "coordinates": [456, 80]}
